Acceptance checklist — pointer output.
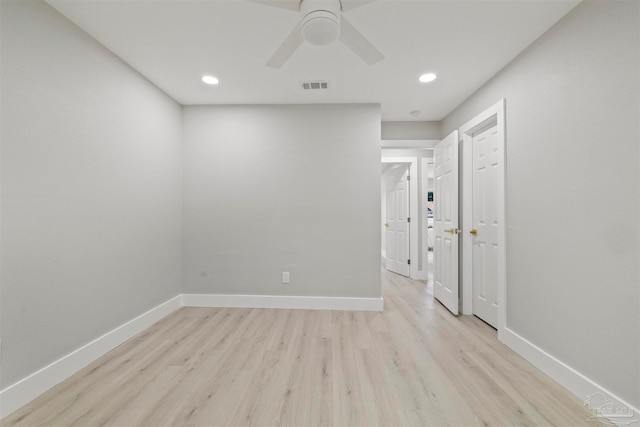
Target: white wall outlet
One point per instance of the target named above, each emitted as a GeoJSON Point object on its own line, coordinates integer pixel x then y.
{"type": "Point", "coordinates": [285, 277]}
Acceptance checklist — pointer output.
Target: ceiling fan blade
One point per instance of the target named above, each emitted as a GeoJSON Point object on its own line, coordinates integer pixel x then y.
{"type": "Point", "coordinates": [286, 49]}
{"type": "Point", "coordinates": [352, 4]}
{"type": "Point", "coordinates": [355, 41]}
{"type": "Point", "coordinates": [282, 4]}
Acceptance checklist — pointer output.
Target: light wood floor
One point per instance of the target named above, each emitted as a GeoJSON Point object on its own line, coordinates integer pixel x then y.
{"type": "Point", "coordinates": [413, 365]}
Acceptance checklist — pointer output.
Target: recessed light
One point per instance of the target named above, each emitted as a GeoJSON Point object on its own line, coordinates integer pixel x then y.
{"type": "Point", "coordinates": [210, 80]}
{"type": "Point", "coordinates": [426, 78]}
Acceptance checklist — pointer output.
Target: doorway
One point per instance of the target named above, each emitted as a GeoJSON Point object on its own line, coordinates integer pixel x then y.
{"type": "Point", "coordinates": [417, 265]}
{"type": "Point", "coordinates": [483, 216]}
{"type": "Point", "coordinates": [397, 221]}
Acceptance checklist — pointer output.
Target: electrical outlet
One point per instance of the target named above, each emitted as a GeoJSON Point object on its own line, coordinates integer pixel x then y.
{"type": "Point", "coordinates": [285, 277]}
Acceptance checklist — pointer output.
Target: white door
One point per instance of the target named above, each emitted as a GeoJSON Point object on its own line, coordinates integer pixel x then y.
{"type": "Point", "coordinates": [485, 224]}
{"type": "Point", "coordinates": [445, 222]}
{"type": "Point", "coordinates": [398, 222]}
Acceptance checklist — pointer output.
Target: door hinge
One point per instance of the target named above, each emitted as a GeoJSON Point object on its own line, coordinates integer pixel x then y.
{"type": "Point", "coordinates": [408, 177]}
{"type": "Point", "coordinates": [408, 262]}
{"type": "Point", "coordinates": [409, 219]}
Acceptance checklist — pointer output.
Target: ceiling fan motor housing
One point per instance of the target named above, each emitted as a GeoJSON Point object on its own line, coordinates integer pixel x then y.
{"type": "Point", "coordinates": [320, 21]}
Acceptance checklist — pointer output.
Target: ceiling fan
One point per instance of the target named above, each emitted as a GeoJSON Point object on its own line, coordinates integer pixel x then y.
{"type": "Point", "coordinates": [322, 22]}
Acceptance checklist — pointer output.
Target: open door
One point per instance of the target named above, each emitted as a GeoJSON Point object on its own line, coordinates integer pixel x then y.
{"type": "Point", "coordinates": [445, 222]}
{"type": "Point", "coordinates": [398, 222]}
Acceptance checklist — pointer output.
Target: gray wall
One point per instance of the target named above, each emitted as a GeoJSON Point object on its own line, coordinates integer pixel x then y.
{"type": "Point", "coordinates": [573, 191]}
{"type": "Point", "coordinates": [91, 177]}
{"type": "Point", "coordinates": [410, 130]}
{"type": "Point", "coordinates": [269, 189]}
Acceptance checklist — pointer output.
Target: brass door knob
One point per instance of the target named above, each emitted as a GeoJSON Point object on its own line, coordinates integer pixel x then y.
{"type": "Point", "coordinates": [474, 232]}
{"type": "Point", "coordinates": [451, 230]}
{"type": "Point", "coordinates": [386, 224]}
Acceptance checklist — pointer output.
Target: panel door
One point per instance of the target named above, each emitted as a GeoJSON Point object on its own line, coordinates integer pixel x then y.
{"type": "Point", "coordinates": [446, 222]}
{"type": "Point", "coordinates": [485, 224]}
{"type": "Point", "coordinates": [397, 223]}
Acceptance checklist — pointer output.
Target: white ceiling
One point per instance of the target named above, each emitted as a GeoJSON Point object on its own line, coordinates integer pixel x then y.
{"type": "Point", "coordinates": [174, 42]}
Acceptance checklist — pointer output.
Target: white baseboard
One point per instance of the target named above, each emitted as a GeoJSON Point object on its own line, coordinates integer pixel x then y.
{"type": "Point", "coordinates": [284, 302]}
{"type": "Point", "coordinates": [22, 392]}
{"type": "Point", "coordinates": [572, 380]}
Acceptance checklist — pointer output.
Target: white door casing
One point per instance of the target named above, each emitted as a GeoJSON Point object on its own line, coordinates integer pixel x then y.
{"type": "Point", "coordinates": [494, 114]}
{"type": "Point", "coordinates": [446, 222]}
{"type": "Point", "coordinates": [485, 223]}
{"type": "Point", "coordinates": [397, 225]}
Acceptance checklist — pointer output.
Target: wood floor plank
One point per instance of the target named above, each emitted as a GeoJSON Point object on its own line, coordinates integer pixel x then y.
{"type": "Point", "coordinates": [412, 365]}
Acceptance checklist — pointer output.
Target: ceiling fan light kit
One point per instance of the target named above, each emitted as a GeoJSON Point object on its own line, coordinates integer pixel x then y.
{"type": "Point", "coordinates": [321, 21]}
{"type": "Point", "coordinates": [320, 28]}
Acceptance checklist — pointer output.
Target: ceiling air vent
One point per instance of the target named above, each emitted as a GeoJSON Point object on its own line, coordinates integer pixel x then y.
{"type": "Point", "coordinates": [315, 85]}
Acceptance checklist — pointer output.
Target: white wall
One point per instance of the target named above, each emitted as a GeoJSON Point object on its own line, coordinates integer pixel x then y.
{"type": "Point", "coordinates": [573, 191]}
{"type": "Point", "coordinates": [291, 188]}
{"type": "Point", "coordinates": [91, 177]}
{"type": "Point", "coordinates": [410, 130]}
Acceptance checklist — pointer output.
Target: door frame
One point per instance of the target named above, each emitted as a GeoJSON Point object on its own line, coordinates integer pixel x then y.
{"type": "Point", "coordinates": [413, 213]}
{"type": "Point", "coordinates": [496, 113]}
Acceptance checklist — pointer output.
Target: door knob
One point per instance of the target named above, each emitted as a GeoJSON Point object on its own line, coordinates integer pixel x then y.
{"type": "Point", "coordinates": [386, 224]}
{"type": "Point", "coordinates": [474, 232]}
{"type": "Point", "coordinates": [451, 230]}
